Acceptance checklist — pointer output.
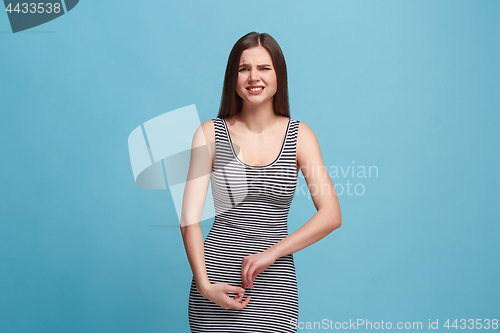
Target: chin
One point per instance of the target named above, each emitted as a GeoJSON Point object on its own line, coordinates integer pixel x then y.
{"type": "Point", "coordinates": [256, 103]}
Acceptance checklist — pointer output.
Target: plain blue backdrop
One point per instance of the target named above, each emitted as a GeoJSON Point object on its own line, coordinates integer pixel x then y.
{"type": "Point", "coordinates": [410, 88]}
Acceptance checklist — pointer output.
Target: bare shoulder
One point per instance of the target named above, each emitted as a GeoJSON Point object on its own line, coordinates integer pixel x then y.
{"type": "Point", "coordinates": [304, 129]}
{"type": "Point", "coordinates": [305, 137]}
{"type": "Point", "coordinates": [208, 128]}
{"type": "Point", "coordinates": [204, 133]}
{"type": "Point", "coordinates": [307, 145]}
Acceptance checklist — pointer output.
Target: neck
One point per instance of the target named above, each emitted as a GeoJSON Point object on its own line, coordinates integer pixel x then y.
{"type": "Point", "coordinates": [258, 117]}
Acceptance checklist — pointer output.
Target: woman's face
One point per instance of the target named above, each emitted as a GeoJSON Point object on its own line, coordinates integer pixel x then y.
{"type": "Point", "coordinates": [257, 82]}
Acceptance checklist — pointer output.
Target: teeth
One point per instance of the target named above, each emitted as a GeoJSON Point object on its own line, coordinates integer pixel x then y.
{"type": "Point", "coordinates": [256, 89]}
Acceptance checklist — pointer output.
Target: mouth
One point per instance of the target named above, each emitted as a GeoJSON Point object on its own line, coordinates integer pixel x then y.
{"type": "Point", "coordinates": [255, 88]}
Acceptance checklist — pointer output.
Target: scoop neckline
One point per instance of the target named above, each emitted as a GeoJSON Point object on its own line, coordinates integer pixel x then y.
{"type": "Point", "coordinates": [257, 166]}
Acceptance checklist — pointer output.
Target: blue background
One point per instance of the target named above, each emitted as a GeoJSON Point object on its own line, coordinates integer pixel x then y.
{"type": "Point", "coordinates": [411, 87]}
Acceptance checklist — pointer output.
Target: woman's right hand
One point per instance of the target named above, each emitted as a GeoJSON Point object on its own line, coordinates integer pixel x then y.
{"type": "Point", "coordinates": [218, 293]}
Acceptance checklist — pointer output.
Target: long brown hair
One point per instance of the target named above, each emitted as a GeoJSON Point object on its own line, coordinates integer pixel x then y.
{"type": "Point", "coordinates": [231, 102]}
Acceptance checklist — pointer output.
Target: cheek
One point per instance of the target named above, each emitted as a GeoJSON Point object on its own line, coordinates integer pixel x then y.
{"type": "Point", "coordinates": [273, 79]}
{"type": "Point", "coordinates": [274, 82]}
{"type": "Point", "coordinates": [241, 82]}
{"type": "Point", "coordinates": [275, 86]}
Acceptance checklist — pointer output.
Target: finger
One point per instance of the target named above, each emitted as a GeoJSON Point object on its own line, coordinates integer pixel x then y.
{"type": "Point", "coordinates": [236, 290]}
{"type": "Point", "coordinates": [244, 269]}
{"type": "Point", "coordinates": [253, 278]}
{"type": "Point", "coordinates": [238, 298]}
{"type": "Point", "coordinates": [249, 275]}
{"type": "Point", "coordinates": [241, 306]}
{"type": "Point", "coordinates": [244, 274]}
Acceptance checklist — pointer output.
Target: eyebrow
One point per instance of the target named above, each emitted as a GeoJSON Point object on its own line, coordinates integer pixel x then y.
{"type": "Point", "coordinates": [263, 65]}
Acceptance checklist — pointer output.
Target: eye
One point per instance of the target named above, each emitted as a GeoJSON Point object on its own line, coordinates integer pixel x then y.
{"type": "Point", "coordinates": [242, 69]}
{"type": "Point", "coordinates": [266, 68]}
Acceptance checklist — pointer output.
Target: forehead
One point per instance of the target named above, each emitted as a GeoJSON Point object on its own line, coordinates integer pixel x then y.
{"type": "Point", "coordinates": [256, 55]}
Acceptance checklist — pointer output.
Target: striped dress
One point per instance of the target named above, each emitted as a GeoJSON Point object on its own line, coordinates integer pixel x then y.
{"type": "Point", "coordinates": [251, 207]}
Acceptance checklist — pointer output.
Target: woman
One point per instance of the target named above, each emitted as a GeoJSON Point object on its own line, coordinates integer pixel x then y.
{"type": "Point", "coordinates": [253, 160]}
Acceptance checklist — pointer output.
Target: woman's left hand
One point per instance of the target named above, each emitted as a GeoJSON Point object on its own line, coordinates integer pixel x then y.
{"type": "Point", "coordinates": [253, 265]}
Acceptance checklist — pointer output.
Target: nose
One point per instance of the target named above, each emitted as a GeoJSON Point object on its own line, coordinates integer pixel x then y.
{"type": "Point", "coordinates": [254, 75]}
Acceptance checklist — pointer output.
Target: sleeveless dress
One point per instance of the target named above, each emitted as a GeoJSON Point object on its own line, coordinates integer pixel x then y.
{"type": "Point", "coordinates": [251, 207]}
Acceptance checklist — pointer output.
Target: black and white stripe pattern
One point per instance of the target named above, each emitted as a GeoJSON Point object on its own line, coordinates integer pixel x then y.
{"type": "Point", "coordinates": [251, 205]}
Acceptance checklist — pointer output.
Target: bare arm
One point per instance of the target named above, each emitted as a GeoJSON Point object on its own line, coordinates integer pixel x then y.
{"type": "Point", "coordinates": [328, 216]}
{"type": "Point", "coordinates": [324, 221]}
{"type": "Point", "coordinates": [193, 201]}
